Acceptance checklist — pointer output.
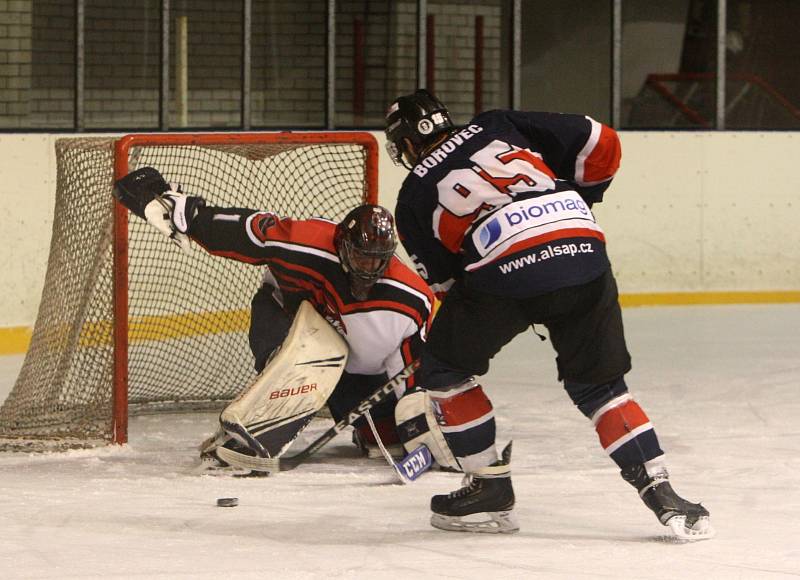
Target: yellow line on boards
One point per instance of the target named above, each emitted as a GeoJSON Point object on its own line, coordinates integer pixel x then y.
{"type": "Point", "coordinates": [707, 298]}
{"type": "Point", "coordinates": [15, 339]}
{"type": "Point", "coordinates": [166, 327]}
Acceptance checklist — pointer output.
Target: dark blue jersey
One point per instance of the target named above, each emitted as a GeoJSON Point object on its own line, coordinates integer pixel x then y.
{"type": "Point", "coordinates": [505, 203]}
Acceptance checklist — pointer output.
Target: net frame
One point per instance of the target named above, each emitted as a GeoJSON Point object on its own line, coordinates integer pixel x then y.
{"type": "Point", "coordinates": [121, 152]}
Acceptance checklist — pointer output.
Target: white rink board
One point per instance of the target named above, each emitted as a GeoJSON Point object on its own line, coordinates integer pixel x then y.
{"type": "Point", "coordinates": [704, 212]}
{"type": "Point", "coordinates": [689, 211]}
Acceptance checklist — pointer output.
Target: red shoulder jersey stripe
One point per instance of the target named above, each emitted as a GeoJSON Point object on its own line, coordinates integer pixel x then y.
{"type": "Point", "coordinates": [415, 314]}
{"type": "Point", "coordinates": [402, 273]}
{"type": "Point", "coordinates": [310, 273]}
{"type": "Point", "coordinates": [603, 161]}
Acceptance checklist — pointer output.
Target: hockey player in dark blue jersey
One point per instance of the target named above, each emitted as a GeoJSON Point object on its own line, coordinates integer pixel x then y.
{"type": "Point", "coordinates": [497, 217]}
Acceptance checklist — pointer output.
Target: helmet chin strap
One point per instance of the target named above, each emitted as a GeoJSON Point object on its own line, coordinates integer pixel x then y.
{"type": "Point", "coordinates": [409, 152]}
{"type": "Point", "coordinates": [439, 140]}
{"type": "Point", "coordinates": [425, 151]}
{"type": "Point", "coordinates": [360, 287]}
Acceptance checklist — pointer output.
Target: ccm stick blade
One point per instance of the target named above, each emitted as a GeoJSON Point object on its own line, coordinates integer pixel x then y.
{"type": "Point", "coordinates": [409, 467]}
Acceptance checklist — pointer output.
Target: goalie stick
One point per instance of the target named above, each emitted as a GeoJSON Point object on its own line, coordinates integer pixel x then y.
{"type": "Point", "coordinates": [275, 464]}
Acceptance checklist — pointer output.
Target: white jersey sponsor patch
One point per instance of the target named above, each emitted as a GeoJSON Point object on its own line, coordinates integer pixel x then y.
{"type": "Point", "coordinates": [529, 218]}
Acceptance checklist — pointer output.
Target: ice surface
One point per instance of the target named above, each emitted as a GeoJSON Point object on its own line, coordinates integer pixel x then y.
{"type": "Point", "coordinates": [721, 384]}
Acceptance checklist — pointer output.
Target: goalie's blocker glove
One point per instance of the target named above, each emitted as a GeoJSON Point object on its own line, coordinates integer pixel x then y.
{"type": "Point", "coordinates": [145, 193]}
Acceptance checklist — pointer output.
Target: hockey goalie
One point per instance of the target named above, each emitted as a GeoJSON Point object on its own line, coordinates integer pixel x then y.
{"type": "Point", "coordinates": [337, 313]}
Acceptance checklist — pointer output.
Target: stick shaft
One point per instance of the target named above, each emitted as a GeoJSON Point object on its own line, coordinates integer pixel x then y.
{"type": "Point", "coordinates": [363, 407]}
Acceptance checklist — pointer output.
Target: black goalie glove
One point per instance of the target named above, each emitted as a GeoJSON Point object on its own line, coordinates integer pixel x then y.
{"type": "Point", "coordinates": [137, 189]}
{"type": "Point", "coordinates": [145, 193]}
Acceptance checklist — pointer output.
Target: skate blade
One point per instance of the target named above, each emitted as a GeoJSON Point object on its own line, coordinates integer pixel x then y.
{"type": "Point", "coordinates": [491, 523]}
{"type": "Point", "coordinates": [700, 530]}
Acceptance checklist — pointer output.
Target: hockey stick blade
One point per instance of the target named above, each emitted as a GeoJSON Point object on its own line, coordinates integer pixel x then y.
{"type": "Point", "coordinates": [414, 464]}
{"type": "Point", "coordinates": [275, 464]}
{"type": "Point", "coordinates": [409, 467]}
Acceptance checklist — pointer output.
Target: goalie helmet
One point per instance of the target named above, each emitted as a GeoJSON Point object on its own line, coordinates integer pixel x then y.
{"type": "Point", "coordinates": [413, 123]}
{"type": "Point", "coordinates": [365, 241]}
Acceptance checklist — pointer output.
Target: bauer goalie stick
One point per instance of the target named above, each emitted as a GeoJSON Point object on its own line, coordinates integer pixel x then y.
{"type": "Point", "coordinates": [274, 464]}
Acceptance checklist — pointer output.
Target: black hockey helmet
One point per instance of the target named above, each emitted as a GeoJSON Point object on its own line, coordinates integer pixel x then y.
{"type": "Point", "coordinates": [414, 122]}
{"type": "Point", "coordinates": [365, 241]}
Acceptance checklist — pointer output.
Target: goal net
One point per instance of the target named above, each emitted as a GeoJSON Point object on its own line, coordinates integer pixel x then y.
{"type": "Point", "coordinates": [128, 323]}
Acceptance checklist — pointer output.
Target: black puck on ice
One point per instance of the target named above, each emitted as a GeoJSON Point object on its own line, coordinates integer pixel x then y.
{"type": "Point", "coordinates": [228, 502]}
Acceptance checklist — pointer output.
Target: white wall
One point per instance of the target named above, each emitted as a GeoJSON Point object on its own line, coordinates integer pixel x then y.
{"type": "Point", "coordinates": [687, 212]}
{"type": "Point", "coordinates": [705, 212]}
{"type": "Point", "coordinates": [27, 189]}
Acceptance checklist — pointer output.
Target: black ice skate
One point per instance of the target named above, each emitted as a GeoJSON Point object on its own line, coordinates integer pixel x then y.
{"type": "Point", "coordinates": [687, 520]}
{"type": "Point", "coordinates": [485, 504]}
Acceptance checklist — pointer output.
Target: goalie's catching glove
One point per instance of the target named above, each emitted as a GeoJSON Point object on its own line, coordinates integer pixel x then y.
{"type": "Point", "coordinates": [149, 196]}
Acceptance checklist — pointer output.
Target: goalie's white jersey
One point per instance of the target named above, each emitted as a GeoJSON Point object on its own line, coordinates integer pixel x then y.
{"type": "Point", "coordinates": [384, 333]}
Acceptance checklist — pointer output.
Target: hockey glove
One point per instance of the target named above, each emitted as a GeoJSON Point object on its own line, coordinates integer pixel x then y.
{"type": "Point", "coordinates": [163, 205]}
{"type": "Point", "coordinates": [139, 188]}
{"type": "Point", "coordinates": [172, 213]}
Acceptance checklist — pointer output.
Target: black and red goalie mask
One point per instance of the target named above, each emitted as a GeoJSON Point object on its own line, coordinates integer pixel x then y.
{"type": "Point", "coordinates": [365, 241]}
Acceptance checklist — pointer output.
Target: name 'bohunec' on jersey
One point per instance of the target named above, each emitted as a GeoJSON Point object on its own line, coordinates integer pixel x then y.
{"type": "Point", "coordinates": [505, 203]}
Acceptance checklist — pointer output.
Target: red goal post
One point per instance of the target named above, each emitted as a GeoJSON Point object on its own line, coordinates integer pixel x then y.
{"type": "Point", "coordinates": [122, 167]}
{"type": "Point", "coordinates": [127, 322]}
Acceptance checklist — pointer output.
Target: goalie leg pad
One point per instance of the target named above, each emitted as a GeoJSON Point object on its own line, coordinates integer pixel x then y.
{"type": "Point", "coordinates": [265, 440]}
{"type": "Point", "coordinates": [456, 424]}
{"type": "Point", "coordinates": [269, 414]}
{"type": "Point", "coordinates": [417, 426]}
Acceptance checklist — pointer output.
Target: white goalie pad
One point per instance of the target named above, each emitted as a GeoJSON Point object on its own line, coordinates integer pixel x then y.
{"type": "Point", "coordinates": [296, 383]}
{"type": "Point", "coordinates": [417, 425]}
